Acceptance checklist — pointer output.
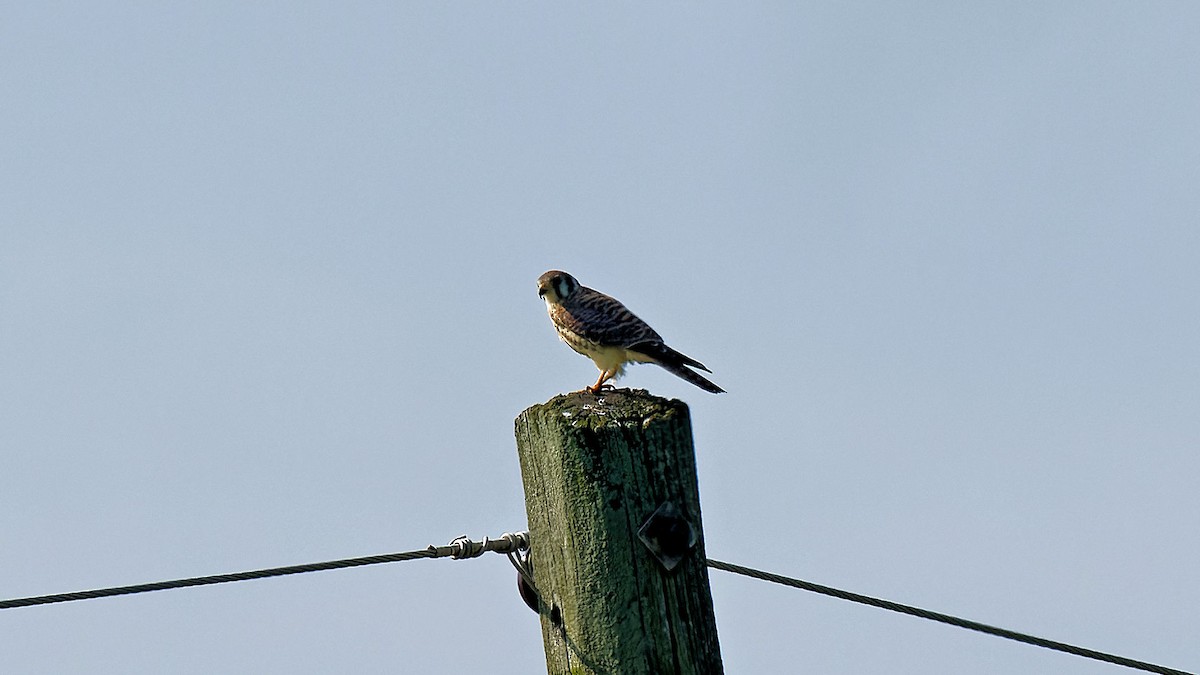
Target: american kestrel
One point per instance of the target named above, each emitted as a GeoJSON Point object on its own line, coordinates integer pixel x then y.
{"type": "Point", "coordinates": [602, 329]}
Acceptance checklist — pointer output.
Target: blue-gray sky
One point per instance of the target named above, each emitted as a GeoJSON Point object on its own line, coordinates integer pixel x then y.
{"type": "Point", "coordinates": [267, 297]}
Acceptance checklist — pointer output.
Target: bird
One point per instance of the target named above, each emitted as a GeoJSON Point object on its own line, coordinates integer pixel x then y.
{"type": "Point", "coordinates": [604, 330]}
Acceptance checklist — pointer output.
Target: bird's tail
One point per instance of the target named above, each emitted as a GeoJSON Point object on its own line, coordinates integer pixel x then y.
{"type": "Point", "coordinates": [676, 364]}
{"type": "Point", "coordinates": [692, 376]}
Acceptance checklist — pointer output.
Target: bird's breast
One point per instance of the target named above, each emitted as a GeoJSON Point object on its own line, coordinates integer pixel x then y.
{"type": "Point", "coordinates": [576, 341]}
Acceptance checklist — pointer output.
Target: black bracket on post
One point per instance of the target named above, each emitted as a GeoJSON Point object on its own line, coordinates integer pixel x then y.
{"type": "Point", "coordinates": [668, 535]}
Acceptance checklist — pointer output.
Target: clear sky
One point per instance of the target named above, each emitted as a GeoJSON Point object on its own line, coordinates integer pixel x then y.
{"type": "Point", "coordinates": [267, 297]}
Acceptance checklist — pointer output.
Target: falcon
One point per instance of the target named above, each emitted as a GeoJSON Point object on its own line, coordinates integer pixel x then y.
{"type": "Point", "coordinates": [602, 329]}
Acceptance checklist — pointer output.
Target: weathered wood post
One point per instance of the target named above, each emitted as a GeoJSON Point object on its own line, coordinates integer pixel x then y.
{"type": "Point", "coordinates": [604, 474]}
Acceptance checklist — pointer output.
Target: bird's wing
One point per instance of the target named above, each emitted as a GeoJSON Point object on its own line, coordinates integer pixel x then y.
{"type": "Point", "coordinates": [661, 353]}
{"type": "Point", "coordinates": [603, 320]}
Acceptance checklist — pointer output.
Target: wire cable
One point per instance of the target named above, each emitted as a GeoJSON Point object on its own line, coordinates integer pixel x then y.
{"type": "Point", "coordinates": [944, 618]}
{"type": "Point", "coordinates": [511, 543]}
{"type": "Point", "coordinates": [458, 549]}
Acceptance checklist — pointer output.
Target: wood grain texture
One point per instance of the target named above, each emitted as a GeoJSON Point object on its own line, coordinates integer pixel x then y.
{"type": "Point", "coordinates": [595, 467]}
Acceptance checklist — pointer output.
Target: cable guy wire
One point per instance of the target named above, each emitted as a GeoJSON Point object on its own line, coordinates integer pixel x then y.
{"type": "Point", "coordinates": [458, 549]}
{"type": "Point", "coordinates": [511, 543]}
{"type": "Point", "coordinates": [944, 618]}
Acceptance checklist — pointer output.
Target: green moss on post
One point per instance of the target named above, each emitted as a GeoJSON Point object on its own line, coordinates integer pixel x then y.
{"type": "Point", "coordinates": [595, 468]}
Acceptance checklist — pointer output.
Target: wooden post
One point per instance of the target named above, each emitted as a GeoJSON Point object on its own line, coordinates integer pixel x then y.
{"type": "Point", "coordinates": [596, 468]}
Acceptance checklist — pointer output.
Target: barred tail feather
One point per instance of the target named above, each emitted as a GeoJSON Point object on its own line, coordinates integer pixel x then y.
{"type": "Point", "coordinates": [676, 363]}
{"type": "Point", "coordinates": [692, 376]}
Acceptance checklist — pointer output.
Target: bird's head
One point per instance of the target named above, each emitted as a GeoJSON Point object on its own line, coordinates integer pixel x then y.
{"type": "Point", "coordinates": [555, 286]}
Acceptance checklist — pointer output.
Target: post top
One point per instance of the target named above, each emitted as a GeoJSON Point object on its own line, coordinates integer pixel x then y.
{"type": "Point", "coordinates": [583, 408]}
